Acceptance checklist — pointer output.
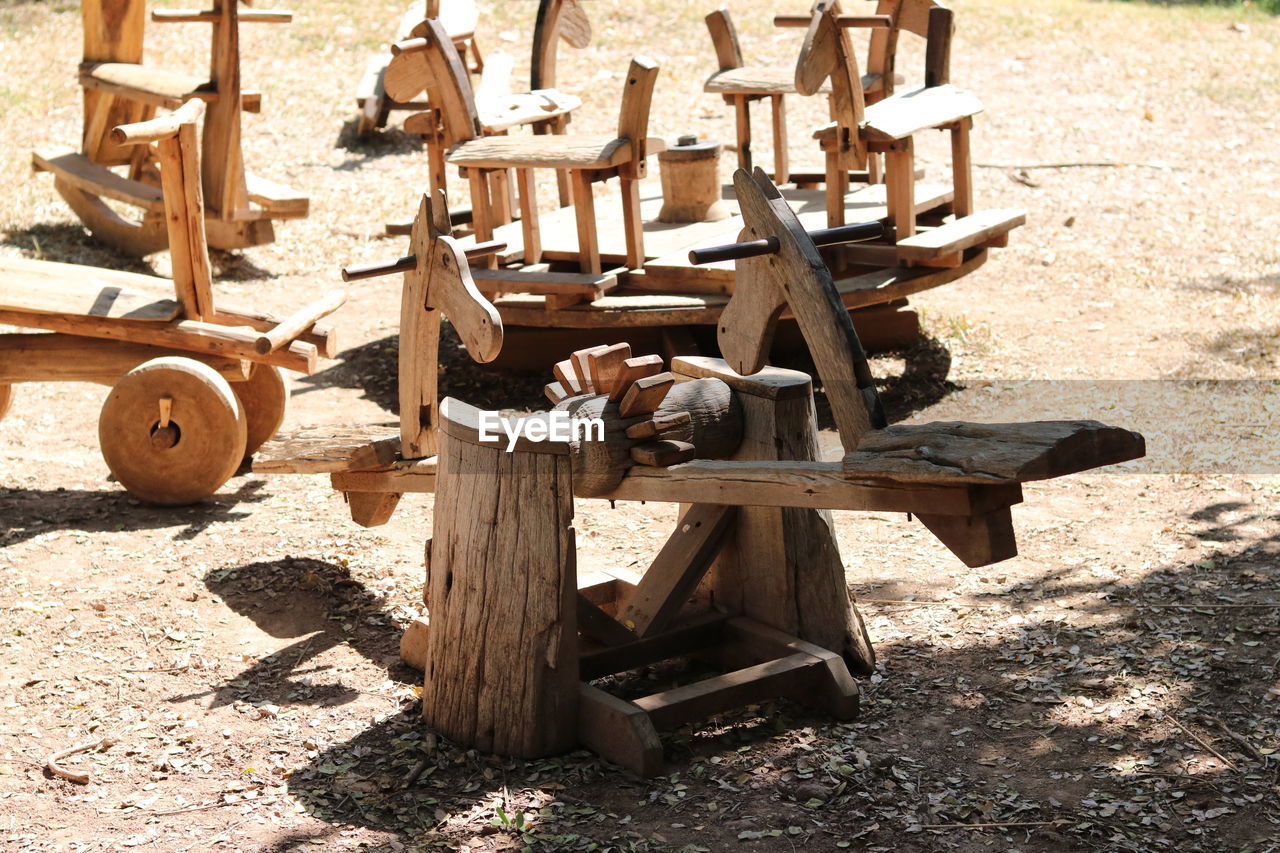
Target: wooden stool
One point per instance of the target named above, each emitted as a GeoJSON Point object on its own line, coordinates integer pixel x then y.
{"type": "Point", "coordinates": [691, 182]}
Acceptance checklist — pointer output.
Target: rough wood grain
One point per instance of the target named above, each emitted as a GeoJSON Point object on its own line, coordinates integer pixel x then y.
{"type": "Point", "coordinates": [324, 450]}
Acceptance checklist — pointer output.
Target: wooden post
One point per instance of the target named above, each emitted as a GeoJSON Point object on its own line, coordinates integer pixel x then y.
{"type": "Point", "coordinates": [781, 566]}
{"type": "Point", "coordinates": [502, 665]}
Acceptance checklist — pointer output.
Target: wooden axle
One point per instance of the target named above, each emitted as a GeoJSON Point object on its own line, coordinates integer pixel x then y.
{"type": "Point", "coordinates": [408, 263]}
{"type": "Point", "coordinates": [861, 21]}
{"type": "Point", "coordinates": [212, 16]}
{"type": "Point", "coordinates": [770, 245]}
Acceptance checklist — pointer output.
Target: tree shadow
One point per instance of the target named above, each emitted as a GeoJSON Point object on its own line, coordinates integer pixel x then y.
{"type": "Point", "coordinates": [372, 369]}
{"type": "Point", "coordinates": [381, 143]}
{"type": "Point", "coordinates": [26, 513]}
{"type": "Point", "coordinates": [1050, 722]}
{"type": "Point", "coordinates": [71, 243]}
{"type": "Point", "coordinates": [319, 606]}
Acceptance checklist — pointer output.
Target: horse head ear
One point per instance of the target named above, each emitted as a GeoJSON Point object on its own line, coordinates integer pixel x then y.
{"type": "Point", "coordinates": [437, 212]}
{"type": "Point", "coordinates": [818, 57]}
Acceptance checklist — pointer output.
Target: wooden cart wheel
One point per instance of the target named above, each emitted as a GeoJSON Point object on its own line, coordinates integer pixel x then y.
{"type": "Point", "coordinates": [6, 397]}
{"type": "Point", "coordinates": [172, 431]}
{"type": "Point", "coordinates": [263, 397]}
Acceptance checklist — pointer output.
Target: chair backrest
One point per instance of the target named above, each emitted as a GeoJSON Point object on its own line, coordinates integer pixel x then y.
{"type": "Point", "coordinates": [557, 19]}
{"type": "Point", "coordinates": [911, 16]}
{"type": "Point", "coordinates": [113, 30]}
{"type": "Point", "coordinates": [449, 86]}
{"type": "Point", "coordinates": [724, 35]}
{"type": "Point", "coordinates": [179, 153]}
{"type": "Point", "coordinates": [633, 118]}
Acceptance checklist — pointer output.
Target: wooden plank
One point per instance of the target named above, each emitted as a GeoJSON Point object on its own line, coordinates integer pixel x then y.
{"type": "Point", "coordinates": [659, 425]}
{"type": "Point", "coordinates": [82, 173]}
{"type": "Point", "coordinates": [281, 201]}
{"type": "Point", "coordinates": [604, 365]}
{"type": "Point", "coordinates": [645, 395]}
{"type": "Point", "coordinates": [600, 626]}
{"type": "Point", "coordinates": [793, 675]}
{"type": "Point", "coordinates": [55, 357]}
{"type": "Point", "coordinates": [72, 290]}
{"type": "Point", "coordinates": [695, 635]}
{"type": "Point", "coordinates": [187, 335]}
{"type": "Point", "coordinates": [958, 452]}
{"type": "Point", "coordinates": [325, 450]}
{"type": "Point", "coordinates": [838, 695]}
{"type": "Point", "coordinates": [619, 731]}
{"type": "Point", "coordinates": [772, 383]}
{"type": "Point", "coordinates": [662, 452]}
{"type": "Point", "coordinates": [978, 540]}
{"type": "Point", "coordinates": [542, 152]}
{"type": "Point", "coordinates": [914, 110]}
{"type": "Point", "coordinates": [633, 370]}
{"type": "Point", "coordinates": [544, 283]}
{"type": "Point", "coordinates": [677, 570]}
{"type": "Point", "coordinates": [973, 230]}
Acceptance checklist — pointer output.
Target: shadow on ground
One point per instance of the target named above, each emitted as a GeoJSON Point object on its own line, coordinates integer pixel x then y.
{"type": "Point", "coordinates": [1052, 723]}
{"type": "Point", "coordinates": [26, 513]}
{"type": "Point", "coordinates": [319, 606]}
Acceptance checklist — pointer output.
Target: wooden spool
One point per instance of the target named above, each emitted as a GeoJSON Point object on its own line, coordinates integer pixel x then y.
{"type": "Point", "coordinates": [691, 182]}
{"type": "Point", "coordinates": [502, 664]}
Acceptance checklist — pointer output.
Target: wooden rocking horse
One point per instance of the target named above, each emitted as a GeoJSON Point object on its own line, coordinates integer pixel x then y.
{"type": "Point", "coordinates": [119, 88]}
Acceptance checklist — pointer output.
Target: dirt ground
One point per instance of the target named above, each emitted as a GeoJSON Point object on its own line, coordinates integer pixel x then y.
{"type": "Point", "coordinates": [1116, 686]}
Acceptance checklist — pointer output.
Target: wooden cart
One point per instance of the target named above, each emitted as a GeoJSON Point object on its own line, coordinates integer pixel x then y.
{"type": "Point", "coordinates": [119, 89]}
{"type": "Point", "coordinates": [751, 579]}
{"type": "Point", "coordinates": [196, 388]}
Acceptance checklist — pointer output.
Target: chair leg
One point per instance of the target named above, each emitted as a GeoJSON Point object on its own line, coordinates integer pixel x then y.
{"type": "Point", "coordinates": [781, 167]}
{"type": "Point", "coordinates": [584, 209]}
{"type": "Point", "coordinates": [742, 114]}
{"type": "Point", "coordinates": [834, 191]}
{"type": "Point", "coordinates": [481, 218]}
{"type": "Point", "coordinates": [436, 164]}
{"type": "Point", "coordinates": [500, 196]}
{"type": "Point", "coordinates": [633, 228]}
{"type": "Point", "coordinates": [529, 226]}
{"type": "Point", "coordinates": [900, 177]}
{"type": "Point", "coordinates": [961, 168]}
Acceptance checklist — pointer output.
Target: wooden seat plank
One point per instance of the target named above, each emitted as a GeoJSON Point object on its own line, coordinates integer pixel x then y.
{"type": "Point", "coordinates": [957, 452]}
{"type": "Point", "coordinates": [157, 86]}
{"type": "Point", "coordinates": [84, 174]}
{"type": "Point", "coordinates": [906, 113]}
{"type": "Point", "coordinates": [505, 111]}
{"type": "Point", "coordinates": [281, 201]}
{"type": "Point", "coordinates": [561, 152]}
{"type": "Point", "coordinates": [973, 230]}
{"type": "Point", "coordinates": [48, 288]}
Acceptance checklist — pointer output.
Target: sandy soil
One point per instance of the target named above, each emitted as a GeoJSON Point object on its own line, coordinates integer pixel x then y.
{"type": "Point", "coordinates": [1115, 686]}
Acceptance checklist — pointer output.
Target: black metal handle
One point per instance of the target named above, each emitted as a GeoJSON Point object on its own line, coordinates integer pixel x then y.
{"type": "Point", "coordinates": [769, 245]}
{"type": "Point", "coordinates": [408, 262]}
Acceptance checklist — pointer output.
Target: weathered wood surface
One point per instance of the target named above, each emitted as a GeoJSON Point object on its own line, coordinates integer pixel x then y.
{"type": "Point", "coordinates": [973, 230]}
{"type": "Point", "coordinates": [71, 290]}
{"type": "Point", "coordinates": [324, 450]}
{"type": "Point", "coordinates": [919, 109]}
{"type": "Point", "coordinates": [956, 452]}
{"type": "Point", "coordinates": [51, 357]}
{"type": "Point", "coordinates": [502, 667]}
{"type": "Point", "coordinates": [84, 174]}
{"type": "Point", "coordinates": [565, 152]}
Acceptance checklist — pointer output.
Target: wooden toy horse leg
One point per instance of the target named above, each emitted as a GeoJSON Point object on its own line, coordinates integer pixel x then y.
{"type": "Point", "coordinates": [781, 164]}
{"type": "Point", "coordinates": [633, 227]}
{"type": "Point", "coordinates": [900, 178]}
{"type": "Point", "coordinates": [481, 215]}
{"type": "Point", "coordinates": [502, 579]}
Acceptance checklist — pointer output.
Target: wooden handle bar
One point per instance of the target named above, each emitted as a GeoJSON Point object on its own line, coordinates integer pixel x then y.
{"type": "Point", "coordinates": [865, 21]}
{"type": "Point", "coordinates": [298, 322]}
{"type": "Point", "coordinates": [192, 16]}
{"type": "Point", "coordinates": [408, 46]}
{"type": "Point", "coordinates": [160, 127]}
{"type": "Point", "coordinates": [769, 245]}
{"type": "Point", "coordinates": [408, 262]}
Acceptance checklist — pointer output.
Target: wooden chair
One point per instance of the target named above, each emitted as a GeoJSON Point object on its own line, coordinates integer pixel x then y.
{"type": "Point", "coordinates": [888, 127]}
{"type": "Point", "coordinates": [459, 17]}
{"type": "Point", "coordinates": [740, 84]}
{"type": "Point", "coordinates": [410, 74]}
{"type": "Point", "coordinates": [119, 88]}
{"type": "Point", "coordinates": [588, 159]}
